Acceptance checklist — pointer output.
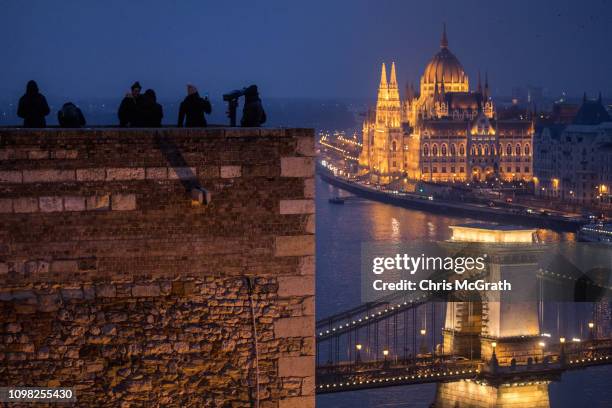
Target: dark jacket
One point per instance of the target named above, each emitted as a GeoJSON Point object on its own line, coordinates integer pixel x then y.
{"type": "Point", "coordinates": [148, 112]}
{"type": "Point", "coordinates": [127, 110]}
{"type": "Point", "coordinates": [192, 111]}
{"type": "Point", "coordinates": [70, 116]}
{"type": "Point", "coordinates": [253, 114]}
{"type": "Point", "coordinates": [33, 107]}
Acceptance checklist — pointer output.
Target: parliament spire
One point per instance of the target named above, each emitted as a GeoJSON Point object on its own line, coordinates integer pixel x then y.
{"type": "Point", "coordinates": [444, 41]}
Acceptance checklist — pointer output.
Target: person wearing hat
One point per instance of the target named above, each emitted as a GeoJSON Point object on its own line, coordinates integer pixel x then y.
{"type": "Point", "coordinates": [129, 106]}
{"type": "Point", "coordinates": [193, 108]}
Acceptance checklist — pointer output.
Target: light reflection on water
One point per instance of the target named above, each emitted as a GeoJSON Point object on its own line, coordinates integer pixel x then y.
{"type": "Point", "coordinates": [340, 231]}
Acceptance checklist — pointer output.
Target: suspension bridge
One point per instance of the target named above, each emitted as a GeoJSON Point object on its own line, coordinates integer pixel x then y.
{"type": "Point", "coordinates": [415, 338]}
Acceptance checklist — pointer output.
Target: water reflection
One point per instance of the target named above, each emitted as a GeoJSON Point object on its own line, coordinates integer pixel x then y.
{"type": "Point", "coordinates": [395, 226]}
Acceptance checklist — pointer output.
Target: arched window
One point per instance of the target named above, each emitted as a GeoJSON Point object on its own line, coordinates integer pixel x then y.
{"type": "Point", "coordinates": [453, 149]}
{"type": "Point", "coordinates": [517, 149]}
{"type": "Point", "coordinates": [486, 150]}
{"type": "Point", "coordinates": [462, 149]}
{"type": "Point", "coordinates": [443, 149]}
{"type": "Point", "coordinates": [480, 150]}
{"type": "Point", "coordinates": [473, 151]}
{"type": "Point", "coordinates": [394, 146]}
{"type": "Point", "coordinates": [425, 150]}
{"type": "Point", "coordinates": [508, 149]}
{"type": "Point", "coordinates": [434, 150]}
{"type": "Point", "coordinates": [500, 149]}
{"type": "Point", "coordinates": [527, 150]}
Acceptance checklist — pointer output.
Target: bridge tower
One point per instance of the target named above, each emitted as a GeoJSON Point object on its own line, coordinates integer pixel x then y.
{"type": "Point", "coordinates": [504, 321]}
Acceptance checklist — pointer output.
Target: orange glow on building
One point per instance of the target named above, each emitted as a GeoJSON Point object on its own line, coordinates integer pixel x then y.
{"type": "Point", "coordinates": [445, 132]}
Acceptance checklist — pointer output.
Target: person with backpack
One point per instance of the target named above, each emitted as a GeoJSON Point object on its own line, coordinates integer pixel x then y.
{"type": "Point", "coordinates": [70, 116]}
{"type": "Point", "coordinates": [193, 108]}
{"type": "Point", "coordinates": [33, 107]}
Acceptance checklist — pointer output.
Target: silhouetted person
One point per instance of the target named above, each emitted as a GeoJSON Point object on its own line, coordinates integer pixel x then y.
{"type": "Point", "coordinates": [129, 105]}
{"type": "Point", "coordinates": [193, 108]}
{"type": "Point", "coordinates": [33, 107]}
{"type": "Point", "coordinates": [70, 116]}
{"type": "Point", "coordinates": [149, 113]}
{"type": "Point", "coordinates": [253, 114]}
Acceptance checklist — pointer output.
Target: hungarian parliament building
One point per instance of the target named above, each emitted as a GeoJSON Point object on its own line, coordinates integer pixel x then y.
{"type": "Point", "coordinates": [446, 132]}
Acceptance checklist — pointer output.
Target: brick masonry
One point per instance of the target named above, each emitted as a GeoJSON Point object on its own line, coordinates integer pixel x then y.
{"type": "Point", "coordinates": [115, 281]}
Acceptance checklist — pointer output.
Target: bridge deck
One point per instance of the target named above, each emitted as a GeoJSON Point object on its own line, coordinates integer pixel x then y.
{"type": "Point", "coordinates": [375, 374]}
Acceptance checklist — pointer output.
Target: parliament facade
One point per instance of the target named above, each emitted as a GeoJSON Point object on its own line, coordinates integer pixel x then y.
{"type": "Point", "coordinates": [446, 132]}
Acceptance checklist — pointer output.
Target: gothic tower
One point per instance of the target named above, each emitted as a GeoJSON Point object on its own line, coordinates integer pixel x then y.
{"type": "Point", "coordinates": [382, 137]}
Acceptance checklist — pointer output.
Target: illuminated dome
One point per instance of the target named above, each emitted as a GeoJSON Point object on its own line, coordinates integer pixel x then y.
{"type": "Point", "coordinates": [445, 68]}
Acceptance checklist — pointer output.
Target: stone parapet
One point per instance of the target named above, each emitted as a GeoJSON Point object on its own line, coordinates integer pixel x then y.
{"type": "Point", "coordinates": [114, 280]}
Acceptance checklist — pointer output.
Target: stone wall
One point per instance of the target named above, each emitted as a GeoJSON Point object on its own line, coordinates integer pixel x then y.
{"type": "Point", "coordinates": [123, 257]}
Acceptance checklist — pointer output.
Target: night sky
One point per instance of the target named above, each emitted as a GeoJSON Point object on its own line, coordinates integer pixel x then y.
{"type": "Point", "coordinates": [308, 48]}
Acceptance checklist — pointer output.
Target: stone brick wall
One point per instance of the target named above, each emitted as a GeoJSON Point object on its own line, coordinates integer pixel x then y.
{"type": "Point", "coordinates": [119, 278]}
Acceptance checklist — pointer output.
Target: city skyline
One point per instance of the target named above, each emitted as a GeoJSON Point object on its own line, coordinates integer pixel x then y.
{"type": "Point", "coordinates": [328, 50]}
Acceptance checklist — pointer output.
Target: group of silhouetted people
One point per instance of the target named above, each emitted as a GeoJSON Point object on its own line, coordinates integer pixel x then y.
{"type": "Point", "coordinates": [138, 110]}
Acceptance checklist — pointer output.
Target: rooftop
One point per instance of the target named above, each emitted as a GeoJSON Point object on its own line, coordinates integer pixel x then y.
{"type": "Point", "coordinates": [591, 113]}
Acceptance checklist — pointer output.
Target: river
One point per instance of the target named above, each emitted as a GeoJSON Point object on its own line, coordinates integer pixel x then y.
{"type": "Point", "coordinates": [340, 231]}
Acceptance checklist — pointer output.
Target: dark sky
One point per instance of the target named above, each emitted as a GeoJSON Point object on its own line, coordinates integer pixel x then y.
{"type": "Point", "coordinates": [298, 48]}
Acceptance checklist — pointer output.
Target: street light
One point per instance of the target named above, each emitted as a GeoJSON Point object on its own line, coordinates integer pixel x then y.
{"type": "Point", "coordinates": [562, 351]}
{"type": "Point", "coordinates": [494, 346]}
{"type": "Point", "coordinates": [358, 354]}
{"type": "Point", "coordinates": [543, 345]}
{"type": "Point", "coordinates": [424, 349]}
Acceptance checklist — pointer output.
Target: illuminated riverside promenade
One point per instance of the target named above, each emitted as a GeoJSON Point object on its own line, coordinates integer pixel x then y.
{"type": "Point", "coordinates": [481, 211]}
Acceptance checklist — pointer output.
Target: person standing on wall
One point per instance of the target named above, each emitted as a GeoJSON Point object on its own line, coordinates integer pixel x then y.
{"type": "Point", "coordinates": [193, 108]}
{"type": "Point", "coordinates": [129, 105]}
{"type": "Point", "coordinates": [33, 107]}
{"type": "Point", "coordinates": [253, 114]}
{"type": "Point", "coordinates": [148, 113]}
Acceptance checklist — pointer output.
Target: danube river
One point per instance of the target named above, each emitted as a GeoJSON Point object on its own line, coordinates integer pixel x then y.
{"type": "Point", "coordinates": [340, 231]}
